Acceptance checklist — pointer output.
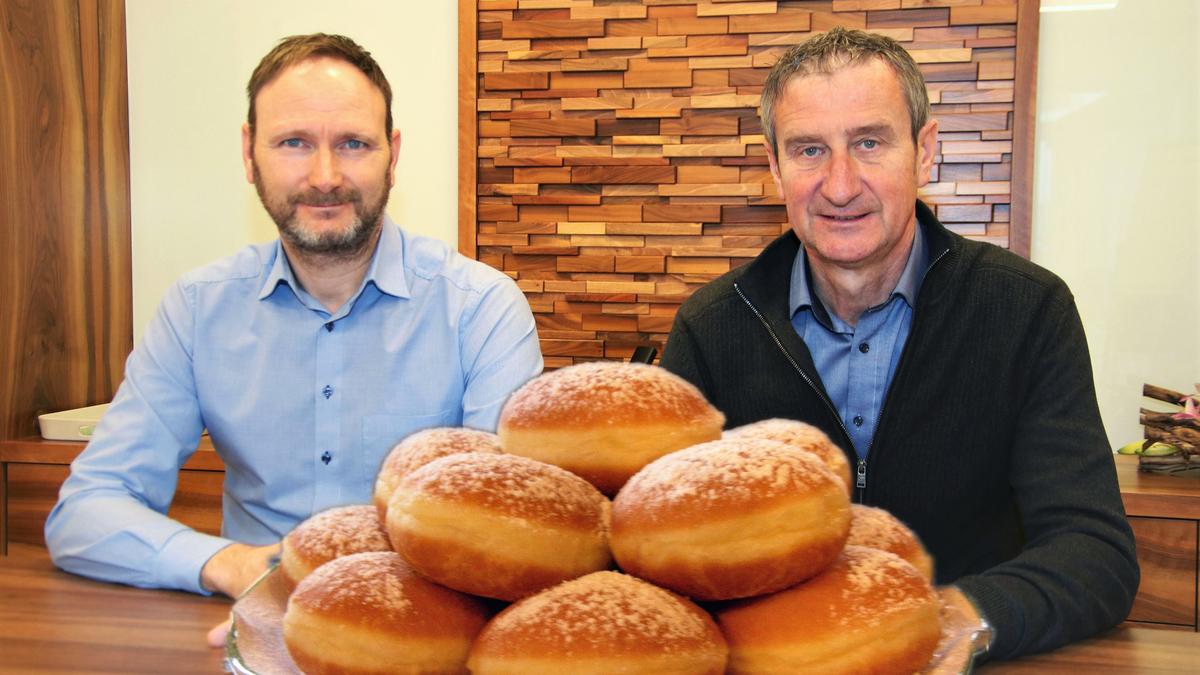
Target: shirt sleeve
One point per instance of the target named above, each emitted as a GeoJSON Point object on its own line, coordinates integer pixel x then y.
{"type": "Point", "coordinates": [110, 521]}
{"type": "Point", "coordinates": [499, 352]}
{"type": "Point", "coordinates": [1078, 572]}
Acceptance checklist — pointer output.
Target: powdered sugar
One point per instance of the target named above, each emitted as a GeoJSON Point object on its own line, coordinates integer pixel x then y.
{"type": "Point", "coordinates": [337, 532]}
{"type": "Point", "coordinates": [606, 392]}
{"type": "Point", "coordinates": [512, 486]}
{"type": "Point", "coordinates": [877, 585]}
{"type": "Point", "coordinates": [731, 470]}
{"type": "Point", "coordinates": [877, 528]}
{"type": "Point", "coordinates": [608, 610]}
{"type": "Point", "coordinates": [371, 583]}
{"type": "Point", "coordinates": [420, 448]}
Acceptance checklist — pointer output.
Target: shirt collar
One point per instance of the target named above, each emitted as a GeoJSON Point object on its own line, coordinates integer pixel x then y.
{"type": "Point", "coordinates": [388, 275]}
{"type": "Point", "coordinates": [800, 294]}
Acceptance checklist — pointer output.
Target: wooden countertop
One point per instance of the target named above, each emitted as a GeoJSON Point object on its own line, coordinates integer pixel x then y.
{"type": "Point", "coordinates": [37, 450]}
{"type": "Point", "coordinates": [1157, 495]}
{"type": "Point", "coordinates": [51, 621]}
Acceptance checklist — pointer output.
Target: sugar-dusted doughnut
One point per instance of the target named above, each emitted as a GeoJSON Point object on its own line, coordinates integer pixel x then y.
{"type": "Point", "coordinates": [730, 519]}
{"type": "Point", "coordinates": [370, 613]}
{"type": "Point", "coordinates": [876, 528]}
{"type": "Point", "coordinates": [422, 447]}
{"type": "Point", "coordinates": [605, 420]}
{"type": "Point", "coordinates": [499, 526]}
{"type": "Point", "coordinates": [869, 612]}
{"type": "Point", "coordinates": [327, 535]}
{"type": "Point", "coordinates": [802, 435]}
{"type": "Point", "coordinates": [602, 623]}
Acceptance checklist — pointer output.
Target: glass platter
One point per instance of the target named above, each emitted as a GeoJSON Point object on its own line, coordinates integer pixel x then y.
{"type": "Point", "coordinates": [255, 645]}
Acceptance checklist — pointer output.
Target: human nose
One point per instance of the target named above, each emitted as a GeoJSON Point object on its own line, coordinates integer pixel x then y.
{"type": "Point", "coordinates": [842, 182]}
{"type": "Point", "coordinates": [324, 173]}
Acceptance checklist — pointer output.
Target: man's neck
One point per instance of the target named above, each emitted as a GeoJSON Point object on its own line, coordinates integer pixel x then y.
{"type": "Point", "coordinates": [331, 279]}
{"type": "Point", "coordinates": [848, 292]}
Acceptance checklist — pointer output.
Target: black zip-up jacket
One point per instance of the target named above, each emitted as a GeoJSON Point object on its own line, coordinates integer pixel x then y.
{"type": "Point", "coordinates": [989, 443]}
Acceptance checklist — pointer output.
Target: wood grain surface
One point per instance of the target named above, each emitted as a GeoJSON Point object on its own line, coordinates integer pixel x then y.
{"type": "Point", "coordinates": [1167, 554]}
{"type": "Point", "coordinates": [593, 120]}
{"type": "Point", "coordinates": [54, 622]}
{"type": "Point", "coordinates": [51, 621]}
{"type": "Point", "coordinates": [66, 324]}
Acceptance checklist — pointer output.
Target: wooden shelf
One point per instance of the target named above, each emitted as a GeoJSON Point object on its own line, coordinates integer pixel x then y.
{"type": "Point", "coordinates": [1155, 495]}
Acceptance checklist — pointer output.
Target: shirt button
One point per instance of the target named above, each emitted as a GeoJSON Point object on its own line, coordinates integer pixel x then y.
{"type": "Point", "coordinates": [327, 457]}
{"type": "Point", "coordinates": [329, 326]}
{"type": "Point", "coordinates": [864, 347]}
{"type": "Point", "coordinates": [327, 391]}
{"type": "Point", "coordinates": [858, 420]}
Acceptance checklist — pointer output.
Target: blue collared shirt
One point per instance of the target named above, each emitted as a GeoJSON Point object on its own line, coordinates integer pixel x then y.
{"type": "Point", "coordinates": [301, 404]}
{"type": "Point", "coordinates": [856, 363]}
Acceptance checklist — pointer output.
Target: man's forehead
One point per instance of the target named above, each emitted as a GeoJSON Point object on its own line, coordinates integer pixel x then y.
{"type": "Point", "coordinates": [859, 94]}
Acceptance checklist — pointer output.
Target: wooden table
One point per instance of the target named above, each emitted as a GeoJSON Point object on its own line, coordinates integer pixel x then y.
{"type": "Point", "coordinates": [51, 621]}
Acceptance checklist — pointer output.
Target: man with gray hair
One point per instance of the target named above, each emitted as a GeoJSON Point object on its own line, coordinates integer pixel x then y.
{"type": "Point", "coordinates": [954, 374]}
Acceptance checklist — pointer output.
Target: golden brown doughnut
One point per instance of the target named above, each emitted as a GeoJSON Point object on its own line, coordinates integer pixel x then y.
{"type": "Point", "coordinates": [599, 624]}
{"type": "Point", "coordinates": [327, 535]}
{"type": "Point", "coordinates": [605, 420]}
{"type": "Point", "coordinates": [730, 519]}
{"type": "Point", "coordinates": [499, 526]}
{"type": "Point", "coordinates": [802, 435]}
{"type": "Point", "coordinates": [422, 447]}
{"type": "Point", "coordinates": [370, 613]}
{"type": "Point", "coordinates": [869, 612]}
{"type": "Point", "coordinates": [876, 528]}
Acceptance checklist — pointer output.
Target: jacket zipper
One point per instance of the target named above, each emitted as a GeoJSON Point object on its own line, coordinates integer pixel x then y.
{"type": "Point", "coordinates": [860, 474]}
{"type": "Point", "coordinates": [861, 480]}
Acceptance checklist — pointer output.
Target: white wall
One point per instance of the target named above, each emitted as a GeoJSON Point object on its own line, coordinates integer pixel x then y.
{"type": "Point", "coordinates": [188, 66]}
{"type": "Point", "coordinates": [1117, 189]}
{"type": "Point", "coordinates": [1117, 183]}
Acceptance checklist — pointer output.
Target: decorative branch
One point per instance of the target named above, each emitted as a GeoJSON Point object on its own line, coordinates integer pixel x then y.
{"type": "Point", "coordinates": [1162, 394]}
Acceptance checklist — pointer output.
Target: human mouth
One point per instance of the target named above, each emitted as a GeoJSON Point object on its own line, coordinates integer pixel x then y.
{"type": "Point", "coordinates": [843, 217]}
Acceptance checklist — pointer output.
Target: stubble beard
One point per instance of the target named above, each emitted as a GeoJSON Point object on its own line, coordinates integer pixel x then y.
{"type": "Point", "coordinates": [331, 245]}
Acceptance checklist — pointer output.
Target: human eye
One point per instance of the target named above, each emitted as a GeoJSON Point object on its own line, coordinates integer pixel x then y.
{"type": "Point", "coordinates": [291, 143]}
{"type": "Point", "coordinates": [868, 144]}
{"type": "Point", "coordinates": [354, 144]}
{"type": "Point", "coordinates": [807, 151]}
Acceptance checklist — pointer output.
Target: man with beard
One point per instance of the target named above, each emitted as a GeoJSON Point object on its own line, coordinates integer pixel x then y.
{"type": "Point", "coordinates": [306, 359]}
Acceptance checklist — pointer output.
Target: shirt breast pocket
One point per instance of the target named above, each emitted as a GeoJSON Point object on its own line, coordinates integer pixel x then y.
{"type": "Point", "coordinates": [381, 432]}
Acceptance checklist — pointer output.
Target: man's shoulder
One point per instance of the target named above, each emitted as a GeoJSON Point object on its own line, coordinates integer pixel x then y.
{"type": "Point", "coordinates": [434, 261]}
{"type": "Point", "coordinates": [714, 297]}
{"type": "Point", "coordinates": [990, 264]}
{"type": "Point", "coordinates": [248, 263]}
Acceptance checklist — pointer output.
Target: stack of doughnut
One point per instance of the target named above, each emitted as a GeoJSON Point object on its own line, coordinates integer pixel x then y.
{"type": "Point", "coordinates": [755, 525]}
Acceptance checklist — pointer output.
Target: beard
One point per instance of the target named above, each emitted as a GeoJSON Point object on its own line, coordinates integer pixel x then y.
{"type": "Point", "coordinates": [344, 243]}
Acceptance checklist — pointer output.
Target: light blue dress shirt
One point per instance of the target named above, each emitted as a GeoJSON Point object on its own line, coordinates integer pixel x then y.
{"type": "Point", "coordinates": [856, 363]}
{"type": "Point", "coordinates": [301, 404]}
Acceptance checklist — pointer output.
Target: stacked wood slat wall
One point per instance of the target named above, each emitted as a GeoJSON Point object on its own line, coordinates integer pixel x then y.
{"type": "Point", "coordinates": [65, 280]}
{"type": "Point", "coordinates": [618, 161]}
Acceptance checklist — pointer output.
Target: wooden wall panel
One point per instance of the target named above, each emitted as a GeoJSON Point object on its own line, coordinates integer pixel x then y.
{"type": "Point", "coordinates": [619, 161]}
{"type": "Point", "coordinates": [65, 289]}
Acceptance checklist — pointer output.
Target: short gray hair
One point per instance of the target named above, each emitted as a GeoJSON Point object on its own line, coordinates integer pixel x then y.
{"type": "Point", "coordinates": [829, 52]}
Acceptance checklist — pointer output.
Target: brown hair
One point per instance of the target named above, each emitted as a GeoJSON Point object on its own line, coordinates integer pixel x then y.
{"type": "Point", "coordinates": [299, 48]}
{"type": "Point", "coordinates": [829, 52]}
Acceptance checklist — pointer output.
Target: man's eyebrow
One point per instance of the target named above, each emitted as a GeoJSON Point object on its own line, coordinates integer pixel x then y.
{"type": "Point", "coordinates": [880, 129]}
